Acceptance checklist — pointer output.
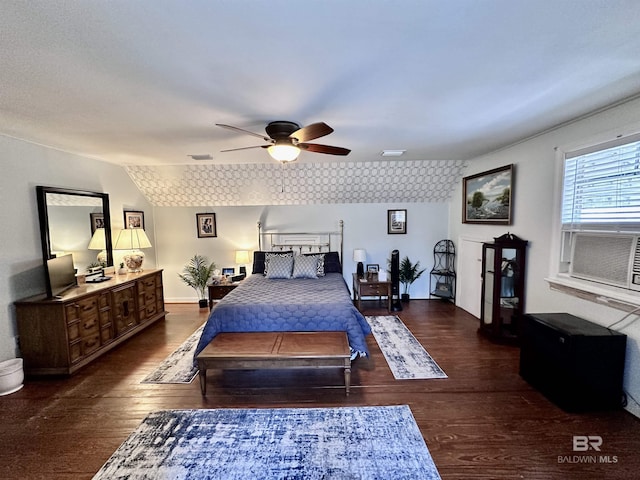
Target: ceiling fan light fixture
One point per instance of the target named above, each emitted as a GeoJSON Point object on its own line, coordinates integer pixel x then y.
{"type": "Point", "coordinates": [283, 152]}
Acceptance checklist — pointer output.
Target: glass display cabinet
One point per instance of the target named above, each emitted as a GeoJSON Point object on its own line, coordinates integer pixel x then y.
{"type": "Point", "coordinates": [503, 288]}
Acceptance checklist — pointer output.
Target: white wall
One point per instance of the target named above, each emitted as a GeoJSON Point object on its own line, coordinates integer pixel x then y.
{"type": "Point", "coordinates": [535, 202]}
{"type": "Point", "coordinates": [25, 166]}
{"type": "Point", "coordinates": [365, 226]}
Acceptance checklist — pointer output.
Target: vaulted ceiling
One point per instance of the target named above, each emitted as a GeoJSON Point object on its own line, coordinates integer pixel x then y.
{"type": "Point", "coordinates": [143, 83]}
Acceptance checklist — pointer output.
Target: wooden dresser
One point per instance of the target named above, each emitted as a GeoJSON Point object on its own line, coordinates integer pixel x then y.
{"type": "Point", "coordinates": [61, 335]}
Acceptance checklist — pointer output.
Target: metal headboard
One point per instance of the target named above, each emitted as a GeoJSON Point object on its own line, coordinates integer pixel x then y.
{"type": "Point", "coordinates": [302, 242]}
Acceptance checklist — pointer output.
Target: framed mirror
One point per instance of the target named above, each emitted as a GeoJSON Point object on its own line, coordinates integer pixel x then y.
{"type": "Point", "coordinates": [76, 222]}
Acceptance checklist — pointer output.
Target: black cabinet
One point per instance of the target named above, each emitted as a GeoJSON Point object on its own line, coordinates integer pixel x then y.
{"type": "Point", "coordinates": [503, 287]}
{"type": "Point", "coordinates": [442, 281]}
{"type": "Point", "coordinates": [575, 363]}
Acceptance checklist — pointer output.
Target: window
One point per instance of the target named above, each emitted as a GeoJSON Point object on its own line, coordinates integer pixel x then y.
{"type": "Point", "coordinates": [601, 189]}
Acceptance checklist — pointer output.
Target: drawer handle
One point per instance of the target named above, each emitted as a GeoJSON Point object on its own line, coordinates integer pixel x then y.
{"type": "Point", "coordinates": [91, 344]}
{"type": "Point", "coordinates": [88, 325]}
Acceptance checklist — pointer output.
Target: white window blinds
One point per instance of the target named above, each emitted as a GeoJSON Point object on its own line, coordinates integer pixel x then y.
{"type": "Point", "coordinates": [602, 187]}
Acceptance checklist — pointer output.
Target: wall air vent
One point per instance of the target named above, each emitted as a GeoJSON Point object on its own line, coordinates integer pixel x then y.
{"type": "Point", "coordinates": [610, 259]}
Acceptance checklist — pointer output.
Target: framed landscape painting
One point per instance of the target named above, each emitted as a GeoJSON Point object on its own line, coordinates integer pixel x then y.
{"type": "Point", "coordinates": [488, 197]}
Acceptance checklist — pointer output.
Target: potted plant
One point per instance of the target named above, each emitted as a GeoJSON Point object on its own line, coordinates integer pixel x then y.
{"type": "Point", "coordinates": [408, 274]}
{"type": "Point", "coordinates": [197, 274]}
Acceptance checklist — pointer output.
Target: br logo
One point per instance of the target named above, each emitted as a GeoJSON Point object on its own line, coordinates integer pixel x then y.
{"type": "Point", "coordinates": [584, 443]}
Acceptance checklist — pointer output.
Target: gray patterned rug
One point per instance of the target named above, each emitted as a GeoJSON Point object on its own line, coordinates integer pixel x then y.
{"type": "Point", "coordinates": [406, 357]}
{"type": "Point", "coordinates": [177, 367]}
{"type": "Point", "coordinates": [292, 443]}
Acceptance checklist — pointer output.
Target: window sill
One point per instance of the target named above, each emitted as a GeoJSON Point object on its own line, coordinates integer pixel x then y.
{"type": "Point", "coordinates": [613, 297]}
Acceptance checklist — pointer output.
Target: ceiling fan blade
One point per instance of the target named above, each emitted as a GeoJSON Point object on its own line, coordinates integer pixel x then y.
{"type": "Point", "coordinates": [316, 148]}
{"type": "Point", "coordinates": [245, 148]}
{"type": "Point", "coordinates": [231, 127]}
{"type": "Point", "coordinates": [311, 132]}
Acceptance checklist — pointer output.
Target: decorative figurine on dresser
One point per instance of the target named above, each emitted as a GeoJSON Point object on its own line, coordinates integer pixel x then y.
{"type": "Point", "coordinates": [503, 287]}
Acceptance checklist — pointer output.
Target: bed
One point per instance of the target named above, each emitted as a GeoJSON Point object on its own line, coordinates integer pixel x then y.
{"type": "Point", "coordinates": [269, 300]}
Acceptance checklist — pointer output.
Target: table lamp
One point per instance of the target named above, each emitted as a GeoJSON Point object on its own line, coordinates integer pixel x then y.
{"type": "Point", "coordinates": [132, 239]}
{"type": "Point", "coordinates": [360, 255]}
{"type": "Point", "coordinates": [242, 258]}
{"type": "Point", "coordinates": [98, 242]}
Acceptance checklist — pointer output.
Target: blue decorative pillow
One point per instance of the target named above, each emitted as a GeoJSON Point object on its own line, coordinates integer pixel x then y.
{"type": "Point", "coordinates": [305, 266]}
{"type": "Point", "coordinates": [268, 256]}
{"type": "Point", "coordinates": [332, 262]}
{"type": "Point", "coordinates": [279, 267]}
{"type": "Point", "coordinates": [258, 262]}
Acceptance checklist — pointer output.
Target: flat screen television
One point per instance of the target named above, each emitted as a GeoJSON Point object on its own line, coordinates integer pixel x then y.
{"type": "Point", "coordinates": [61, 275]}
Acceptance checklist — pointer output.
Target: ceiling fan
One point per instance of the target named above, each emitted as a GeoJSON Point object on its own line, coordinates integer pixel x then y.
{"type": "Point", "coordinates": [286, 139]}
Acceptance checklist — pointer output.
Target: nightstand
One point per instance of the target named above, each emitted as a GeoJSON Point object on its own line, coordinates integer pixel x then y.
{"type": "Point", "coordinates": [219, 291]}
{"type": "Point", "coordinates": [364, 288]}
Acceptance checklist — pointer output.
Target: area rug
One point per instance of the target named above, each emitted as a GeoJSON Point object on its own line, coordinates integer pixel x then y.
{"type": "Point", "coordinates": [177, 367]}
{"type": "Point", "coordinates": [406, 357]}
{"type": "Point", "coordinates": [288, 443]}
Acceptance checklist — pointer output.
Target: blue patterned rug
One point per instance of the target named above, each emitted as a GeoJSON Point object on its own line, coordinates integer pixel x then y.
{"type": "Point", "coordinates": [177, 367]}
{"type": "Point", "coordinates": [406, 357]}
{"type": "Point", "coordinates": [288, 443]}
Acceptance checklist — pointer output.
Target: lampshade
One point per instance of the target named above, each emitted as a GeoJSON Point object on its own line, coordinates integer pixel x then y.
{"type": "Point", "coordinates": [242, 257]}
{"type": "Point", "coordinates": [359, 255]}
{"type": "Point", "coordinates": [132, 239]}
{"type": "Point", "coordinates": [283, 151]}
{"type": "Point", "coordinates": [98, 242]}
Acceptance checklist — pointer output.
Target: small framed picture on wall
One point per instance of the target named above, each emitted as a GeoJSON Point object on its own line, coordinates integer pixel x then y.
{"type": "Point", "coordinates": [133, 219]}
{"type": "Point", "coordinates": [97, 221]}
{"type": "Point", "coordinates": [396, 221]}
{"type": "Point", "coordinates": [206, 225]}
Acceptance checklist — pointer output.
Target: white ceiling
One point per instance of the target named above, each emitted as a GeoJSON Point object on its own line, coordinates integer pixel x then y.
{"type": "Point", "coordinates": [143, 82]}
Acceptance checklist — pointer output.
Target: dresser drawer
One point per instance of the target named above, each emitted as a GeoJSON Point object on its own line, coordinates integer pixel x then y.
{"type": "Point", "coordinates": [147, 312]}
{"type": "Point", "coordinates": [373, 290]}
{"type": "Point", "coordinates": [89, 325]}
{"type": "Point", "coordinates": [147, 285]}
{"type": "Point", "coordinates": [90, 344]}
{"type": "Point", "coordinates": [75, 351]}
{"type": "Point", "coordinates": [81, 309]}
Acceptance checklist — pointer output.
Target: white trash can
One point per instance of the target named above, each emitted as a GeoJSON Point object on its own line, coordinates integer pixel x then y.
{"type": "Point", "coordinates": [11, 376]}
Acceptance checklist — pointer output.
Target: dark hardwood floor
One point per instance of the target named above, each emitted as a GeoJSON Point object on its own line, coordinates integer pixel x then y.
{"type": "Point", "coordinates": [483, 422]}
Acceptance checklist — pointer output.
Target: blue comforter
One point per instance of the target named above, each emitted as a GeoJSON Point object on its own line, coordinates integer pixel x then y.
{"type": "Point", "coordinates": [260, 304]}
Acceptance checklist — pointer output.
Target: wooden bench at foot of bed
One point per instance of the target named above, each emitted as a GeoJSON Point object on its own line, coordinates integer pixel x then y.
{"type": "Point", "coordinates": [256, 350]}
